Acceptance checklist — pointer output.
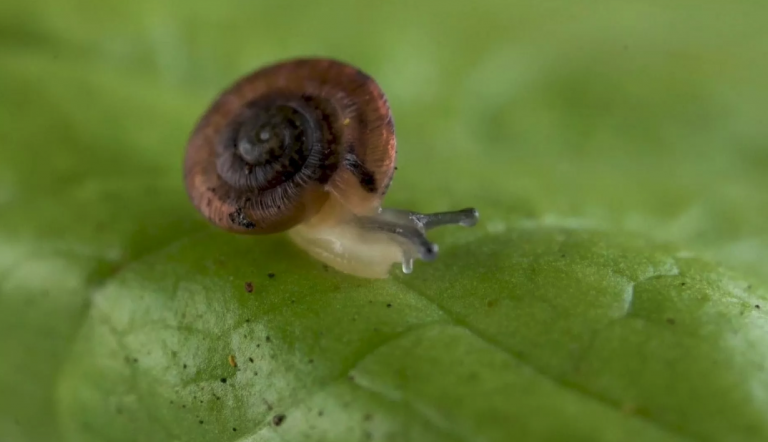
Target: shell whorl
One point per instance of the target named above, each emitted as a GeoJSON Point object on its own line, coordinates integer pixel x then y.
{"type": "Point", "coordinates": [278, 141]}
{"type": "Point", "coordinates": [281, 142]}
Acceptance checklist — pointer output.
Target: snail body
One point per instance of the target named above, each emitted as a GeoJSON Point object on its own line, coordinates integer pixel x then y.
{"type": "Point", "coordinates": [308, 147]}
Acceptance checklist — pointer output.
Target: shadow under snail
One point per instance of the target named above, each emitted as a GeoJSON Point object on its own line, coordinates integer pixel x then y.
{"type": "Point", "coordinates": [308, 146]}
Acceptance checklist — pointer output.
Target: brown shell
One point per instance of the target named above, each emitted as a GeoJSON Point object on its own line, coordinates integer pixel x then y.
{"type": "Point", "coordinates": [337, 145]}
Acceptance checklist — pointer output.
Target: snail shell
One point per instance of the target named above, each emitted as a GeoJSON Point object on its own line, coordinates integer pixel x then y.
{"type": "Point", "coordinates": [305, 146]}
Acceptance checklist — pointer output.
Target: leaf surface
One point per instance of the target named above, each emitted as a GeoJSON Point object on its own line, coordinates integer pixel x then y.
{"type": "Point", "coordinates": [614, 290]}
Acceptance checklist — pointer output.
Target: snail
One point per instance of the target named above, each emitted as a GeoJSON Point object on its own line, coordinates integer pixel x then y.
{"type": "Point", "coordinates": [307, 146]}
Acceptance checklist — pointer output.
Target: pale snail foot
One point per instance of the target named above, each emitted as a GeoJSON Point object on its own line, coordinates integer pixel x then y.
{"type": "Point", "coordinates": [368, 246]}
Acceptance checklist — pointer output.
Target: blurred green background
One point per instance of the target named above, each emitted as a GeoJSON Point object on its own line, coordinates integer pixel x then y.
{"type": "Point", "coordinates": [642, 118]}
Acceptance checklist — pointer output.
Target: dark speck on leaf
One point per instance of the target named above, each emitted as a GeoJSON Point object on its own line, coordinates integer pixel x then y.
{"type": "Point", "coordinates": [311, 361]}
{"type": "Point", "coordinates": [201, 422]}
{"type": "Point", "coordinates": [563, 255]}
{"type": "Point", "coordinates": [247, 321]}
{"type": "Point", "coordinates": [270, 275]}
{"type": "Point", "coordinates": [757, 306]}
{"type": "Point", "coordinates": [171, 402]}
{"type": "Point", "coordinates": [183, 406]}
{"type": "Point", "coordinates": [234, 429]}
{"type": "Point", "coordinates": [682, 284]}
{"type": "Point", "coordinates": [389, 305]}
{"type": "Point", "coordinates": [671, 321]}
{"type": "Point", "coordinates": [278, 419]}
{"type": "Point", "coordinates": [326, 268]}
{"type": "Point", "coordinates": [135, 360]}
{"type": "Point", "coordinates": [250, 360]}
{"type": "Point", "coordinates": [367, 417]}
{"type": "Point", "coordinates": [184, 366]}
{"type": "Point", "coordinates": [268, 339]}
{"type": "Point", "coordinates": [320, 413]}
{"type": "Point", "coordinates": [223, 380]}
{"type": "Point", "coordinates": [249, 287]}
{"type": "Point", "coordinates": [351, 378]}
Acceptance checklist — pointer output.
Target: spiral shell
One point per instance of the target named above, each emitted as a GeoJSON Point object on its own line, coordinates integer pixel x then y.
{"type": "Point", "coordinates": [290, 142]}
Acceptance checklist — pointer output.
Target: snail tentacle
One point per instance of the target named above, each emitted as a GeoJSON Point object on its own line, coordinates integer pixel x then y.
{"type": "Point", "coordinates": [465, 217]}
{"type": "Point", "coordinates": [410, 233]}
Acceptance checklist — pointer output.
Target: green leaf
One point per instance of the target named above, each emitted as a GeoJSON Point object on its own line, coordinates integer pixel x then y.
{"type": "Point", "coordinates": [615, 288]}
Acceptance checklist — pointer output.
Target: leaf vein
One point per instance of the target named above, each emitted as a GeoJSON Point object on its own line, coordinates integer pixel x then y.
{"type": "Point", "coordinates": [561, 383]}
